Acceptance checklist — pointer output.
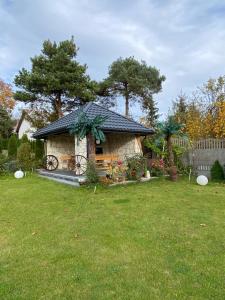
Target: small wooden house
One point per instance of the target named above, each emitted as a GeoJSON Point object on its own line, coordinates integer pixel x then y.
{"type": "Point", "coordinates": [123, 136]}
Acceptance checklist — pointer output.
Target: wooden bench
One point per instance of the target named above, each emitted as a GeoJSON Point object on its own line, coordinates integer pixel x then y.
{"type": "Point", "coordinates": [68, 161]}
{"type": "Point", "coordinates": [104, 161]}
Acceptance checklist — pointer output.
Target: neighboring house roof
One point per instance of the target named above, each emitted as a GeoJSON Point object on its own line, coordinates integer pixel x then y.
{"type": "Point", "coordinates": [114, 122]}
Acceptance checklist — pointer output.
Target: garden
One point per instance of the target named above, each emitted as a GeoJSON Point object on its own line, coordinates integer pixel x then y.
{"type": "Point", "coordinates": [153, 240]}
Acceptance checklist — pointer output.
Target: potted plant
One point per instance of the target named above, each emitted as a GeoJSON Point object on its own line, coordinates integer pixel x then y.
{"type": "Point", "coordinates": [173, 173]}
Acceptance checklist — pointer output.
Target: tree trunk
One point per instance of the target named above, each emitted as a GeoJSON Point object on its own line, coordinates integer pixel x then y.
{"type": "Point", "coordinates": [170, 151]}
{"type": "Point", "coordinates": [58, 106]}
{"type": "Point", "coordinates": [91, 147]}
{"type": "Point", "coordinates": [127, 106]}
{"type": "Point", "coordinates": [126, 100]}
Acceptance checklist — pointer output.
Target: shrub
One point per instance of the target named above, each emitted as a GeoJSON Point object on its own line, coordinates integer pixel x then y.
{"type": "Point", "coordinates": [39, 150]}
{"type": "Point", "coordinates": [1, 145]}
{"type": "Point", "coordinates": [2, 164]}
{"type": "Point", "coordinates": [137, 166]}
{"type": "Point", "coordinates": [10, 166]}
{"type": "Point", "coordinates": [24, 157]}
{"type": "Point", "coordinates": [5, 144]}
{"type": "Point", "coordinates": [157, 167]}
{"type": "Point", "coordinates": [24, 139]}
{"type": "Point", "coordinates": [91, 173]}
{"type": "Point", "coordinates": [12, 147]}
{"type": "Point", "coordinates": [217, 172]}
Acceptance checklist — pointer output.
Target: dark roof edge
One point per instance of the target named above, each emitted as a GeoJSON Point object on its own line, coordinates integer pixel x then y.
{"type": "Point", "coordinates": [118, 114]}
{"type": "Point", "coordinates": [65, 130]}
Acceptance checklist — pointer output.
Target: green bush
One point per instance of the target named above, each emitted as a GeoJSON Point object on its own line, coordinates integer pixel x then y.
{"type": "Point", "coordinates": [217, 173]}
{"type": "Point", "coordinates": [4, 143]}
{"type": "Point", "coordinates": [24, 157]}
{"type": "Point", "coordinates": [39, 150]}
{"type": "Point", "coordinates": [2, 164]}
{"type": "Point", "coordinates": [91, 173]}
{"type": "Point", "coordinates": [24, 139]}
{"type": "Point", "coordinates": [1, 145]}
{"type": "Point", "coordinates": [137, 166]}
{"type": "Point", "coordinates": [10, 166]}
{"type": "Point", "coordinates": [12, 146]}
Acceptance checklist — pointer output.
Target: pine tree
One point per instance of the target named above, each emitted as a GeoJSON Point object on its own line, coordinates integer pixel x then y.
{"type": "Point", "coordinates": [56, 79]}
{"type": "Point", "coordinates": [133, 80]}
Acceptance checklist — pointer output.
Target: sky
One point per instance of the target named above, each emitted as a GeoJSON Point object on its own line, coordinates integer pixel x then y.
{"type": "Point", "coordinates": [184, 39]}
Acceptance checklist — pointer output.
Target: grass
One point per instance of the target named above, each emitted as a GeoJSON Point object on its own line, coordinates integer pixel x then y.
{"type": "Point", "coordinates": [155, 240]}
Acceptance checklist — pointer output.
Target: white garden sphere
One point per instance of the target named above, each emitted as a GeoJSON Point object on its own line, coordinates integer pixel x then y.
{"type": "Point", "coordinates": [19, 174]}
{"type": "Point", "coordinates": [202, 180]}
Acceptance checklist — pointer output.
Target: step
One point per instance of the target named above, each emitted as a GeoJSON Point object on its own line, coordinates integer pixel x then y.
{"type": "Point", "coordinates": [59, 176]}
{"type": "Point", "coordinates": [71, 183]}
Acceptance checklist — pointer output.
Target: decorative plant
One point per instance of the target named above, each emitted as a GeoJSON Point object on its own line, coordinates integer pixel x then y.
{"type": "Point", "coordinates": [157, 167]}
{"type": "Point", "coordinates": [85, 126]}
{"type": "Point", "coordinates": [118, 171]}
{"type": "Point", "coordinates": [137, 165]}
{"type": "Point", "coordinates": [167, 130]}
{"type": "Point", "coordinates": [91, 173]}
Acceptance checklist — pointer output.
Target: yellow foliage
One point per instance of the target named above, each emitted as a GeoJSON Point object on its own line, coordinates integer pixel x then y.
{"type": "Point", "coordinates": [219, 124]}
{"type": "Point", "coordinates": [6, 96]}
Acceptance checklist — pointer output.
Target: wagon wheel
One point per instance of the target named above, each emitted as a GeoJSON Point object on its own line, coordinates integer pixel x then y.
{"type": "Point", "coordinates": [50, 162]}
{"type": "Point", "coordinates": [80, 165]}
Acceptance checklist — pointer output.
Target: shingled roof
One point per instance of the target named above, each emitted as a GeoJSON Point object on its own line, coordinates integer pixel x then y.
{"type": "Point", "coordinates": [114, 122]}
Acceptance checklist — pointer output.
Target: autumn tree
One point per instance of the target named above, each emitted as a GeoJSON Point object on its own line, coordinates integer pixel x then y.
{"type": "Point", "coordinates": [7, 101]}
{"type": "Point", "coordinates": [134, 81]}
{"type": "Point", "coordinates": [56, 79]}
{"type": "Point", "coordinates": [203, 112]}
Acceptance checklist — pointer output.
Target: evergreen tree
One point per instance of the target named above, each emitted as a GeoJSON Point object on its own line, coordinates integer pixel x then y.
{"type": "Point", "coordinates": [180, 108]}
{"type": "Point", "coordinates": [24, 139]}
{"type": "Point", "coordinates": [12, 146]}
{"type": "Point", "coordinates": [39, 150]}
{"type": "Point", "coordinates": [24, 156]}
{"type": "Point", "coordinates": [1, 145]}
{"type": "Point", "coordinates": [56, 79]}
{"type": "Point", "coordinates": [6, 123]}
{"type": "Point", "coordinates": [217, 173]}
{"type": "Point", "coordinates": [133, 80]}
{"type": "Point", "coordinates": [152, 112]}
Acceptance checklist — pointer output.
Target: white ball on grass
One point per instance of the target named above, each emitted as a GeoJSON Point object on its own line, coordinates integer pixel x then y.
{"type": "Point", "coordinates": [19, 174]}
{"type": "Point", "coordinates": [202, 180]}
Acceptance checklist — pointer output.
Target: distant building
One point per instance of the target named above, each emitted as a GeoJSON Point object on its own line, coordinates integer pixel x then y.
{"type": "Point", "coordinates": [23, 126]}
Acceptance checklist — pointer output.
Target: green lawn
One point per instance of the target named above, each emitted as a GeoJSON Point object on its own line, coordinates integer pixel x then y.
{"type": "Point", "coordinates": [155, 240]}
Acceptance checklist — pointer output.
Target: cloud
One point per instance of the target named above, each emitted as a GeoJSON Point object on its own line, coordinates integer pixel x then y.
{"type": "Point", "coordinates": [184, 39]}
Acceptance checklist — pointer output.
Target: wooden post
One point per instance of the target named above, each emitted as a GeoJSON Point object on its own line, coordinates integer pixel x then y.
{"type": "Point", "coordinates": [90, 147]}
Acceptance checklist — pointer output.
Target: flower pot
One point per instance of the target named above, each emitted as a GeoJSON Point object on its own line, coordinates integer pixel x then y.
{"type": "Point", "coordinates": [173, 173]}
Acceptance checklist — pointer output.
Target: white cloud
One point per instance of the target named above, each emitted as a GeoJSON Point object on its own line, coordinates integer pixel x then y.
{"type": "Point", "coordinates": [183, 38]}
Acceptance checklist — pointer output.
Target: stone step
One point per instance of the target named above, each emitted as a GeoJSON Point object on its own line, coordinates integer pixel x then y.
{"type": "Point", "coordinates": [58, 176]}
{"type": "Point", "coordinates": [71, 183]}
